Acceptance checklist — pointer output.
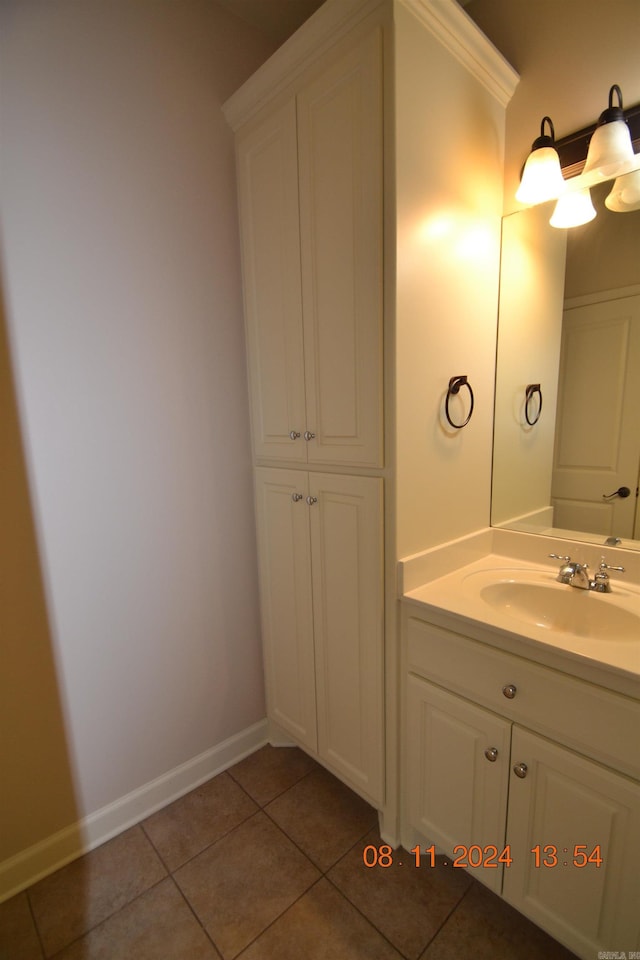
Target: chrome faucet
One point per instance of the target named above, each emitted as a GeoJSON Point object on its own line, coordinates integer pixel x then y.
{"type": "Point", "coordinates": [575, 574]}
{"type": "Point", "coordinates": [572, 572]}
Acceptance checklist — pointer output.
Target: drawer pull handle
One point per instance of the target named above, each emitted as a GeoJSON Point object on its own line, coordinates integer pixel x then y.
{"type": "Point", "coordinates": [510, 691]}
{"type": "Point", "coordinates": [491, 753]}
{"type": "Point", "coordinates": [520, 770]}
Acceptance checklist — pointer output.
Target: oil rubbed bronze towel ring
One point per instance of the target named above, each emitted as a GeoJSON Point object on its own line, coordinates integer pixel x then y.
{"type": "Point", "coordinates": [454, 388]}
{"type": "Point", "coordinates": [530, 392]}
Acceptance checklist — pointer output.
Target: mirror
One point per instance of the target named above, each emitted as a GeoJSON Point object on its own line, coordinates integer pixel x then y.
{"type": "Point", "coordinates": [569, 321]}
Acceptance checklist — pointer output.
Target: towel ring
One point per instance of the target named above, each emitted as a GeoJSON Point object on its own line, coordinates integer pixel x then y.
{"type": "Point", "coordinates": [531, 390]}
{"type": "Point", "coordinates": [454, 388]}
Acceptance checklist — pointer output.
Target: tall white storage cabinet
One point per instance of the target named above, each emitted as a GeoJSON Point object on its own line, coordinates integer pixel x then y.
{"type": "Point", "coordinates": [318, 137]}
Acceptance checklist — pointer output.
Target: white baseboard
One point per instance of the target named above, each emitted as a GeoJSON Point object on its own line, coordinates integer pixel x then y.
{"type": "Point", "coordinates": [43, 858]}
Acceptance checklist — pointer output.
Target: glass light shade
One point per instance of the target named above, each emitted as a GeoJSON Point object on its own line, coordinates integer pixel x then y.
{"type": "Point", "coordinates": [610, 150]}
{"type": "Point", "coordinates": [625, 196]}
{"type": "Point", "coordinates": [573, 209]}
{"type": "Point", "coordinates": [542, 177]}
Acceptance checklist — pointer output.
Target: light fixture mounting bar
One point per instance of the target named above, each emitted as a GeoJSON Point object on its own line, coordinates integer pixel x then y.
{"type": "Point", "coordinates": [572, 149]}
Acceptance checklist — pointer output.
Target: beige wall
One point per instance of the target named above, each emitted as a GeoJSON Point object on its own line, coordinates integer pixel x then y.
{"type": "Point", "coordinates": [568, 54]}
{"type": "Point", "coordinates": [449, 200]}
{"type": "Point", "coordinates": [130, 640]}
{"type": "Point", "coordinates": [603, 254]}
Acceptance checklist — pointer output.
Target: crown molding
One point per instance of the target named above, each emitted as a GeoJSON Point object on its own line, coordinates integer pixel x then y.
{"type": "Point", "coordinates": [333, 20]}
{"type": "Point", "coordinates": [455, 29]}
{"type": "Point", "coordinates": [445, 19]}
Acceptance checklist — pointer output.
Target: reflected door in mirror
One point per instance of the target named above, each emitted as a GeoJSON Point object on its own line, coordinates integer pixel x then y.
{"type": "Point", "coordinates": [597, 446]}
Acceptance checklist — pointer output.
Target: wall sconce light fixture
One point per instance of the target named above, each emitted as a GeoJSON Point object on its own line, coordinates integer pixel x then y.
{"type": "Point", "coordinates": [542, 177]}
{"type": "Point", "coordinates": [600, 152]}
{"type": "Point", "coordinates": [610, 150]}
{"type": "Point", "coordinates": [625, 195]}
{"type": "Point", "coordinates": [572, 209]}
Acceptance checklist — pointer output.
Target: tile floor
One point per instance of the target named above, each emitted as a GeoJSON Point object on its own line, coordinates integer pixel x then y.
{"type": "Point", "coordinates": [263, 862]}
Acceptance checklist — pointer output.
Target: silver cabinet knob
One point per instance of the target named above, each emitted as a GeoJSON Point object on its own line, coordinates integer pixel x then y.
{"type": "Point", "coordinates": [308, 435]}
{"type": "Point", "coordinates": [510, 690]}
{"type": "Point", "coordinates": [491, 753]}
{"type": "Point", "coordinates": [312, 500]}
{"type": "Point", "coordinates": [520, 770]}
{"type": "Point", "coordinates": [297, 496]}
{"type": "Point", "coordinates": [294, 434]}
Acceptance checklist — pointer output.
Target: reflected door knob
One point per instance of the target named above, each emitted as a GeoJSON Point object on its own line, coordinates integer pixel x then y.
{"type": "Point", "coordinates": [622, 492]}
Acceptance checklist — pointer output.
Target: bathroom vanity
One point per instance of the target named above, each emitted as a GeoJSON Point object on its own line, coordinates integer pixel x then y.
{"type": "Point", "coordinates": [521, 742]}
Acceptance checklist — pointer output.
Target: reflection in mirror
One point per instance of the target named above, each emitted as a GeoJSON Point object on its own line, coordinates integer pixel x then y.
{"type": "Point", "coordinates": [569, 320]}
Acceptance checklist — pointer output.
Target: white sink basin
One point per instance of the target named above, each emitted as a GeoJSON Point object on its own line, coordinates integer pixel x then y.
{"type": "Point", "coordinates": [495, 596]}
{"type": "Point", "coordinates": [564, 609]}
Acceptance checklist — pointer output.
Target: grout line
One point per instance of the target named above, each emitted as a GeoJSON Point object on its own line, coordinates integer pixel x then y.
{"type": "Point", "coordinates": [104, 920]}
{"type": "Point", "coordinates": [448, 917]}
{"type": "Point", "coordinates": [196, 917]}
{"type": "Point", "coordinates": [280, 915]}
{"type": "Point", "coordinates": [35, 923]}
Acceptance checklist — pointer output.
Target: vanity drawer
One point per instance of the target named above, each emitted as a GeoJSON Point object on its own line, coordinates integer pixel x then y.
{"type": "Point", "coordinates": [595, 721]}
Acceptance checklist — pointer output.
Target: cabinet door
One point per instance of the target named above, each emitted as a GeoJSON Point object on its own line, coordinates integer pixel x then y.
{"type": "Point", "coordinates": [269, 221]}
{"type": "Point", "coordinates": [571, 806]}
{"type": "Point", "coordinates": [340, 163]}
{"type": "Point", "coordinates": [456, 794]}
{"type": "Point", "coordinates": [348, 600]}
{"type": "Point", "coordinates": [285, 593]}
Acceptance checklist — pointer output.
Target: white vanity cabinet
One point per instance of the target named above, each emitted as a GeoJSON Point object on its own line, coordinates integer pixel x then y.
{"type": "Point", "coordinates": [310, 195]}
{"type": "Point", "coordinates": [321, 582]}
{"type": "Point", "coordinates": [503, 754]}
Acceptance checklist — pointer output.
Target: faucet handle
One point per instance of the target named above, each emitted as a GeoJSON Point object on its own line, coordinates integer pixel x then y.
{"type": "Point", "coordinates": [601, 582]}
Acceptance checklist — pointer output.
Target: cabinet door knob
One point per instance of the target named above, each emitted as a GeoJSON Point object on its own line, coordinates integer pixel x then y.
{"type": "Point", "coordinates": [297, 496]}
{"type": "Point", "coordinates": [312, 500]}
{"type": "Point", "coordinates": [510, 690]}
{"type": "Point", "coordinates": [520, 770]}
{"type": "Point", "coordinates": [294, 434]}
{"type": "Point", "coordinates": [491, 753]}
{"type": "Point", "coordinates": [308, 435]}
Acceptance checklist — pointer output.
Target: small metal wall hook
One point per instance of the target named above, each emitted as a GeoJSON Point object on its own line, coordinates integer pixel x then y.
{"type": "Point", "coordinates": [454, 388]}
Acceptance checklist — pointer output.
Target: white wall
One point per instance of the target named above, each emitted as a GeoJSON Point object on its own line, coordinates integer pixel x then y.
{"type": "Point", "coordinates": [449, 202]}
{"type": "Point", "coordinates": [122, 289]}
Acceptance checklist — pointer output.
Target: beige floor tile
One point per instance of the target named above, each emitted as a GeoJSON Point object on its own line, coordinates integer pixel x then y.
{"type": "Point", "coordinates": [408, 905]}
{"type": "Point", "coordinates": [323, 817]}
{"type": "Point", "coordinates": [242, 883]}
{"type": "Point", "coordinates": [270, 771]}
{"type": "Point", "coordinates": [322, 925]}
{"type": "Point", "coordinates": [157, 926]}
{"type": "Point", "coordinates": [486, 928]}
{"type": "Point", "coordinates": [192, 823]}
{"type": "Point", "coordinates": [87, 891]}
{"type": "Point", "coordinates": [18, 937]}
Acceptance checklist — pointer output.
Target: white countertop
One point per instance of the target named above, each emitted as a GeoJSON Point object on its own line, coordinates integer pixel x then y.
{"type": "Point", "coordinates": [454, 601]}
